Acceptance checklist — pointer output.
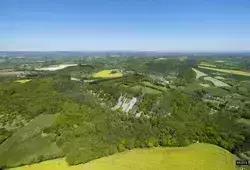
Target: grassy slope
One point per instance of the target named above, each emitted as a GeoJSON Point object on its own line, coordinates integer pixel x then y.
{"type": "Point", "coordinates": [28, 144]}
{"type": "Point", "coordinates": [154, 86]}
{"type": "Point", "coordinates": [193, 157]}
{"type": "Point", "coordinates": [145, 89]}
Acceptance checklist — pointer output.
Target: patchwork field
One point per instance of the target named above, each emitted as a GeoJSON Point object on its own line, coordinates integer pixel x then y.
{"type": "Point", "coordinates": [217, 91]}
{"type": "Point", "coordinates": [107, 74]}
{"type": "Point", "coordinates": [146, 83]}
{"type": "Point", "coordinates": [216, 82]}
{"type": "Point", "coordinates": [207, 64]}
{"type": "Point", "coordinates": [194, 157]}
{"type": "Point", "coordinates": [236, 72]}
{"type": "Point", "coordinates": [190, 88]}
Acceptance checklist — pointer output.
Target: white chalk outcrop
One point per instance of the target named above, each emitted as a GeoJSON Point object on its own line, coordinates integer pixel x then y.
{"type": "Point", "coordinates": [125, 104]}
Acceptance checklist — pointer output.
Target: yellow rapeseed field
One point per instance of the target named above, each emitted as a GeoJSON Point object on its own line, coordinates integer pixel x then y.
{"type": "Point", "coordinates": [107, 74]}
{"type": "Point", "coordinates": [22, 81]}
{"type": "Point", "coordinates": [236, 72]}
{"type": "Point", "coordinates": [194, 157]}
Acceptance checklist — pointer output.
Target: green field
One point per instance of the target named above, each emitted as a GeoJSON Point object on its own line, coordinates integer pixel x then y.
{"type": "Point", "coordinates": [194, 157]}
{"type": "Point", "coordinates": [145, 89]}
{"type": "Point", "coordinates": [146, 83]}
{"type": "Point", "coordinates": [23, 81]}
{"type": "Point", "coordinates": [190, 88]}
{"type": "Point", "coordinates": [29, 144]}
{"type": "Point", "coordinates": [236, 72]}
{"type": "Point", "coordinates": [206, 64]}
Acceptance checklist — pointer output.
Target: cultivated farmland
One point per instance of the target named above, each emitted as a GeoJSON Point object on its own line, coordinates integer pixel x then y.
{"type": "Point", "coordinates": [236, 72]}
{"type": "Point", "coordinates": [207, 64]}
{"type": "Point", "coordinates": [216, 82]}
{"type": "Point", "coordinates": [107, 74]}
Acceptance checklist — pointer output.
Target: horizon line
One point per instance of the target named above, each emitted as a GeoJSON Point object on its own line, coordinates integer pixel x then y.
{"type": "Point", "coordinates": [135, 51]}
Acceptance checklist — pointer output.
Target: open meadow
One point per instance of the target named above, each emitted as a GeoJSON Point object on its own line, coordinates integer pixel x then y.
{"type": "Point", "coordinates": [145, 89]}
{"type": "Point", "coordinates": [196, 156]}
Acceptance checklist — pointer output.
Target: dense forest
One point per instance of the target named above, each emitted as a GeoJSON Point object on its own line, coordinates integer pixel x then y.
{"type": "Point", "coordinates": [85, 131]}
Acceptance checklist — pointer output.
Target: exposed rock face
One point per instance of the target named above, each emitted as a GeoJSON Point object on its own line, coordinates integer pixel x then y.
{"type": "Point", "coordinates": [74, 79]}
{"type": "Point", "coordinates": [138, 114]}
{"type": "Point", "coordinates": [125, 104]}
{"type": "Point", "coordinates": [56, 67]}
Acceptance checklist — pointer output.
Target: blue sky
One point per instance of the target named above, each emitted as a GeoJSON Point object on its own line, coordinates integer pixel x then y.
{"type": "Point", "coordinates": [153, 25]}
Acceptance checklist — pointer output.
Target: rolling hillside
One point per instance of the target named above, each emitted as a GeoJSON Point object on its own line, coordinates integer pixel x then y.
{"type": "Point", "coordinates": [194, 157]}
